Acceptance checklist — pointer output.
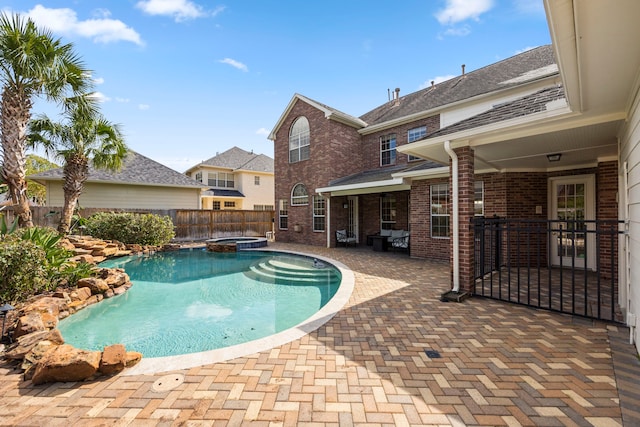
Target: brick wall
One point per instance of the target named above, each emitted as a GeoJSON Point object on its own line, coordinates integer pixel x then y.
{"type": "Point", "coordinates": [607, 209]}
{"type": "Point", "coordinates": [371, 143]}
{"type": "Point", "coordinates": [422, 245]}
{"type": "Point", "coordinates": [334, 152]}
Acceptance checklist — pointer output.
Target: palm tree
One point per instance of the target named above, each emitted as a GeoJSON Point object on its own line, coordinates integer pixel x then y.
{"type": "Point", "coordinates": [32, 64]}
{"type": "Point", "coordinates": [78, 141]}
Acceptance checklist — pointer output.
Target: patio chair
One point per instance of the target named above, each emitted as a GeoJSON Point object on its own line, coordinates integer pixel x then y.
{"type": "Point", "coordinates": [345, 238]}
{"type": "Point", "coordinates": [401, 243]}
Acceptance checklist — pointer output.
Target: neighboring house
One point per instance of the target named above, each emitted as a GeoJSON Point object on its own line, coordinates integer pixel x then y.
{"type": "Point", "coordinates": [141, 183]}
{"type": "Point", "coordinates": [236, 179]}
{"type": "Point", "coordinates": [548, 141]}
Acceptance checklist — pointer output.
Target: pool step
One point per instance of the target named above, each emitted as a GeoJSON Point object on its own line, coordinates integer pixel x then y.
{"type": "Point", "coordinates": [283, 271]}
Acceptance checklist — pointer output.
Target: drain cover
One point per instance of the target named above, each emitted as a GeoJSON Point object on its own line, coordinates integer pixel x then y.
{"type": "Point", "coordinates": [432, 354]}
{"type": "Point", "coordinates": [168, 382]}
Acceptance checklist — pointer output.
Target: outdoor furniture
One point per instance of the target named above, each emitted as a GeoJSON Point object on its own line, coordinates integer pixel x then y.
{"type": "Point", "coordinates": [345, 238]}
{"type": "Point", "coordinates": [401, 243]}
{"type": "Point", "coordinates": [379, 243]}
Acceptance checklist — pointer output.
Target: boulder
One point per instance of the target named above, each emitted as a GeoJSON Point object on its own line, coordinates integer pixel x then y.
{"type": "Point", "coordinates": [133, 357]}
{"type": "Point", "coordinates": [49, 320]}
{"type": "Point", "coordinates": [120, 290]}
{"type": "Point", "coordinates": [26, 343]}
{"type": "Point", "coordinates": [33, 356]}
{"type": "Point", "coordinates": [65, 363]}
{"type": "Point", "coordinates": [114, 359]}
{"type": "Point", "coordinates": [28, 324]}
{"type": "Point", "coordinates": [97, 286]}
{"type": "Point", "coordinates": [81, 294]}
{"type": "Point", "coordinates": [48, 304]}
{"type": "Point", "coordinates": [114, 277]}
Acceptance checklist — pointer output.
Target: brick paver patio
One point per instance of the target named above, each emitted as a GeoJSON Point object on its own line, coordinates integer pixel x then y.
{"type": "Point", "coordinates": [395, 355]}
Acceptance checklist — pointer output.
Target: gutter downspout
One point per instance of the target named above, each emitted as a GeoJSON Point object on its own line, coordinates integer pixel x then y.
{"type": "Point", "coordinates": [456, 225]}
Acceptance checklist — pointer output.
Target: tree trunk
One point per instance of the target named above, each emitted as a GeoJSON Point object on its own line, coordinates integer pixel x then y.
{"type": "Point", "coordinates": [15, 115]}
{"type": "Point", "coordinates": [76, 171]}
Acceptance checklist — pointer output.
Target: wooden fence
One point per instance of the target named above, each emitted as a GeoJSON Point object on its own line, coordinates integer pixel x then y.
{"type": "Point", "coordinates": [189, 224]}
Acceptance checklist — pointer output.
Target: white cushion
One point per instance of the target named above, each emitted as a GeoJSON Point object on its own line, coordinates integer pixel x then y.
{"type": "Point", "coordinates": [397, 233]}
{"type": "Point", "coordinates": [385, 233]}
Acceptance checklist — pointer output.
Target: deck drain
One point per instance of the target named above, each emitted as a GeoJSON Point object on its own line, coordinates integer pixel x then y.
{"type": "Point", "coordinates": [432, 354]}
{"type": "Point", "coordinates": [168, 382]}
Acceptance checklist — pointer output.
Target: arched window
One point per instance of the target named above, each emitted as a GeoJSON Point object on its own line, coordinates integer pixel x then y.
{"type": "Point", "coordinates": [299, 140]}
{"type": "Point", "coordinates": [299, 195]}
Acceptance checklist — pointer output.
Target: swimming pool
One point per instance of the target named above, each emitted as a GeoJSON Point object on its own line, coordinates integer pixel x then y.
{"type": "Point", "coordinates": [190, 302]}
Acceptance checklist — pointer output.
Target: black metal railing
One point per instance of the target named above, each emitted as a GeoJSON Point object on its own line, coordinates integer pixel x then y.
{"type": "Point", "coordinates": [567, 266]}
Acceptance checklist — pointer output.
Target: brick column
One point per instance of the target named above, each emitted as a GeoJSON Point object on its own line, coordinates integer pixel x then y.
{"type": "Point", "coordinates": [466, 181]}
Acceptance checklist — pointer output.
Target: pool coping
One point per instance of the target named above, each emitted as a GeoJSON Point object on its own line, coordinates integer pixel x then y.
{"type": "Point", "coordinates": [155, 365]}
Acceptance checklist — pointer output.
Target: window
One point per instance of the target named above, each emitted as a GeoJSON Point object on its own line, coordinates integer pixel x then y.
{"type": "Point", "coordinates": [319, 209]}
{"type": "Point", "coordinates": [414, 135]}
{"type": "Point", "coordinates": [221, 179]}
{"type": "Point", "coordinates": [283, 215]}
{"type": "Point", "coordinates": [216, 205]}
{"type": "Point", "coordinates": [229, 204]}
{"type": "Point", "coordinates": [387, 212]}
{"type": "Point", "coordinates": [199, 176]}
{"type": "Point", "coordinates": [440, 210]}
{"type": "Point", "coordinates": [478, 198]}
{"type": "Point", "coordinates": [299, 195]}
{"type": "Point", "coordinates": [299, 140]}
{"type": "Point", "coordinates": [256, 180]}
{"type": "Point", "coordinates": [262, 207]}
{"type": "Point", "coordinates": [388, 149]}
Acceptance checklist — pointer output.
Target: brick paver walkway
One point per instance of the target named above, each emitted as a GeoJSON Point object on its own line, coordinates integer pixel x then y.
{"type": "Point", "coordinates": [395, 355]}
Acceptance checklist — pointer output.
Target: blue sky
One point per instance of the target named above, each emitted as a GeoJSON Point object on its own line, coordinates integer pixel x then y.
{"type": "Point", "coordinates": [189, 78]}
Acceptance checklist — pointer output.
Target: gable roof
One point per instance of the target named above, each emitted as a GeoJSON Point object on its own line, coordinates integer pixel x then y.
{"type": "Point", "coordinates": [329, 113]}
{"type": "Point", "coordinates": [526, 67]}
{"type": "Point", "coordinates": [136, 169]}
{"type": "Point", "coordinates": [237, 159]}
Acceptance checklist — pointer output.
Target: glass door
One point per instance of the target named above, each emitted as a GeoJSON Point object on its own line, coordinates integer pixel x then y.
{"type": "Point", "coordinates": [572, 203]}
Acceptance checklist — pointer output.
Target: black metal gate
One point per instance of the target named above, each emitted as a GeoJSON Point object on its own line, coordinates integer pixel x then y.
{"type": "Point", "coordinates": [513, 263]}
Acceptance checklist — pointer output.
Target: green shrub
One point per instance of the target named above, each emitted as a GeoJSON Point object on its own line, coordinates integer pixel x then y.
{"type": "Point", "coordinates": [23, 269]}
{"type": "Point", "coordinates": [59, 270]}
{"type": "Point", "coordinates": [143, 229]}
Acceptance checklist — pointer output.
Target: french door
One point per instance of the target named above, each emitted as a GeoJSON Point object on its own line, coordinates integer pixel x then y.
{"type": "Point", "coordinates": [572, 202]}
{"type": "Point", "coordinates": [352, 226]}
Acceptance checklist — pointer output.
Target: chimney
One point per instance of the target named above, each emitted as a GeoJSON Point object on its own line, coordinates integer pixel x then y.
{"type": "Point", "coordinates": [396, 97]}
{"type": "Point", "coordinates": [433, 83]}
{"type": "Point", "coordinates": [463, 69]}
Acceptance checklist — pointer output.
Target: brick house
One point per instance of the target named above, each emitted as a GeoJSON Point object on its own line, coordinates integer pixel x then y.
{"type": "Point", "coordinates": [522, 174]}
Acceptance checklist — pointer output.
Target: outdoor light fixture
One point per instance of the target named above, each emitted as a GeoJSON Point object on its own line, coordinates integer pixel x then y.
{"type": "Point", "coordinates": [4, 309]}
{"type": "Point", "coordinates": [345, 205]}
{"type": "Point", "coordinates": [554, 157]}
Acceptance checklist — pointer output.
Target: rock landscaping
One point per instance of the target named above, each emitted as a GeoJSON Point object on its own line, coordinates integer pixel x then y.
{"type": "Point", "coordinates": [39, 348]}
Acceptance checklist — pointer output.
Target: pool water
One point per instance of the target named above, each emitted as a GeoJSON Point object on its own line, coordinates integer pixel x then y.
{"type": "Point", "coordinates": [192, 301]}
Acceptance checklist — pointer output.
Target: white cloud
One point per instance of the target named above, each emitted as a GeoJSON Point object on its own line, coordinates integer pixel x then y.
{"type": "Point", "coordinates": [519, 51]}
{"type": "Point", "coordinates": [180, 10]}
{"type": "Point", "coordinates": [100, 97]}
{"type": "Point", "coordinates": [234, 63]}
{"type": "Point", "coordinates": [98, 80]}
{"type": "Point", "coordinates": [458, 32]}
{"type": "Point", "coordinates": [263, 131]}
{"type": "Point", "coordinates": [460, 10]}
{"type": "Point", "coordinates": [65, 21]}
{"type": "Point", "coordinates": [122, 100]}
{"type": "Point", "coordinates": [436, 80]}
{"type": "Point", "coordinates": [143, 107]}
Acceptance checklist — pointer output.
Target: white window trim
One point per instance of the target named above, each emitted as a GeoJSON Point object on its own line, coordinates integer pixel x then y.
{"type": "Point", "coordinates": [280, 215]}
{"type": "Point", "coordinates": [324, 214]}
{"type": "Point", "coordinates": [388, 138]}
{"type": "Point", "coordinates": [382, 221]}
{"type": "Point", "coordinates": [432, 215]}
{"type": "Point", "coordinates": [299, 197]}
